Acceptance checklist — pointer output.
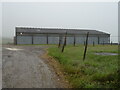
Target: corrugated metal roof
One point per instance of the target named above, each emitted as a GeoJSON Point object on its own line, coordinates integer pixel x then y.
{"type": "Point", "coordinates": [57, 30]}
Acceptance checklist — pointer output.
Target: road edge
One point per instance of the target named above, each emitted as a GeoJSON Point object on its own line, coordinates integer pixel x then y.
{"type": "Point", "coordinates": [57, 69]}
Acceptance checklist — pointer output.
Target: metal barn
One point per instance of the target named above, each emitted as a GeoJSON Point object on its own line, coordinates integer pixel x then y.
{"type": "Point", "coordinates": [54, 35]}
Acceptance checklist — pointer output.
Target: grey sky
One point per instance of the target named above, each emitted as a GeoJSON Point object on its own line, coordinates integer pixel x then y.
{"type": "Point", "coordinates": [0, 18]}
{"type": "Point", "coordinates": [101, 16]}
{"type": "Point", "coordinates": [0, 23]}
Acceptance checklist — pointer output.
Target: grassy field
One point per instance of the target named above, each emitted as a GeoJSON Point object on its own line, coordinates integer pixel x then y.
{"type": "Point", "coordinates": [96, 71]}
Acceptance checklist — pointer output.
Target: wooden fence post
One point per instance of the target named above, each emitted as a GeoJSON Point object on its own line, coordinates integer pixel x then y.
{"type": "Point", "coordinates": [86, 44]}
{"type": "Point", "coordinates": [93, 44]}
{"type": "Point", "coordinates": [74, 40]}
{"type": "Point", "coordinates": [66, 39]}
{"type": "Point", "coordinates": [47, 39]}
{"type": "Point", "coordinates": [59, 42]}
{"type": "Point", "coordinates": [64, 42]}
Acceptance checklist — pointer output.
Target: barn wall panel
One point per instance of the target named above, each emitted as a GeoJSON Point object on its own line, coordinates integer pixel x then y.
{"type": "Point", "coordinates": [39, 40]}
{"type": "Point", "coordinates": [80, 40]}
{"type": "Point", "coordinates": [53, 40]}
{"type": "Point", "coordinates": [24, 39]}
{"type": "Point", "coordinates": [69, 40]}
{"type": "Point", "coordinates": [104, 39]}
{"type": "Point", "coordinates": [93, 39]}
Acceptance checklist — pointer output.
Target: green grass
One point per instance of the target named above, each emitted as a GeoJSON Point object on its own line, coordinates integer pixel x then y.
{"type": "Point", "coordinates": [94, 72]}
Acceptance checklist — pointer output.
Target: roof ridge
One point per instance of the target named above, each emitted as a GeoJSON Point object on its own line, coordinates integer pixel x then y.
{"type": "Point", "coordinates": [54, 28]}
{"type": "Point", "coordinates": [61, 29]}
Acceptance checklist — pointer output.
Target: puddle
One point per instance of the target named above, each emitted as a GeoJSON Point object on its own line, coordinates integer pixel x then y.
{"type": "Point", "coordinates": [13, 49]}
{"type": "Point", "coordinates": [106, 54]}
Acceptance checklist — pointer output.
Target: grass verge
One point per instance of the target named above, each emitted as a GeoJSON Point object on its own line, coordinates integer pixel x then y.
{"type": "Point", "coordinates": [95, 72]}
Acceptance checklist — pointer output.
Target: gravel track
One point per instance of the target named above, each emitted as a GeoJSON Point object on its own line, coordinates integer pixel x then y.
{"type": "Point", "coordinates": [22, 67]}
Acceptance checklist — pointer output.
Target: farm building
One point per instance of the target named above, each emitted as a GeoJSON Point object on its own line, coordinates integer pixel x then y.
{"type": "Point", "coordinates": [54, 35]}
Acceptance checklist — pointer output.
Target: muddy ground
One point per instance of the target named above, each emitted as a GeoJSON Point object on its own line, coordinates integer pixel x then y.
{"type": "Point", "coordinates": [23, 67]}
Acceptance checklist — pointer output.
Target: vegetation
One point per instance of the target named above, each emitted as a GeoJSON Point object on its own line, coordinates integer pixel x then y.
{"type": "Point", "coordinates": [96, 71]}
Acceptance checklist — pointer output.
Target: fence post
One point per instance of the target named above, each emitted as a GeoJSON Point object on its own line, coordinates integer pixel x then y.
{"type": "Point", "coordinates": [86, 44]}
{"type": "Point", "coordinates": [59, 42]}
{"type": "Point", "coordinates": [47, 39]}
{"type": "Point", "coordinates": [66, 39]}
{"type": "Point", "coordinates": [93, 43]}
{"type": "Point", "coordinates": [64, 42]}
{"type": "Point", "coordinates": [74, 40]}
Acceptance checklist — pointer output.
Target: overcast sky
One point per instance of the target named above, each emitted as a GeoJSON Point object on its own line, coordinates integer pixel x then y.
{"type": "Point", "coordinates": [102, 16]}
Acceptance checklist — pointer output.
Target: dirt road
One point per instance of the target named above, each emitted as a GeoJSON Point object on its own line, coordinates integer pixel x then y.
{"type": "Point", "coordinates": [23, 68]}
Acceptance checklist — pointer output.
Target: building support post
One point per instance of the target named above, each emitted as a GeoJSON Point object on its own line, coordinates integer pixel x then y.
{"type": "Point", "coordinates": [98, 40]}
{"type": "Point", "coordinates": [32, 39]}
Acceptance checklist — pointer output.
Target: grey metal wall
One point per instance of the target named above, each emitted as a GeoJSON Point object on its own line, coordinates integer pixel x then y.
{"type": "Point", "coordinates": [69, 40]}
{"type": "Point", "coordinates": [24, 40]}
{"type": "Point", "coordinates": [80, 40]}
{"type": "Point", "coordinates": [39, 40]}
{"type": "Point", "coordinates": [55, 39]}
{"type": "Point", "coordinates": [93, 39]}
{"type": "Point", "coordinates": [104, 40]}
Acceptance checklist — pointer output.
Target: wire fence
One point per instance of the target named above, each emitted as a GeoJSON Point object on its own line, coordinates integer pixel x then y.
{"type": "Point", "coordinates": [62, 43]}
